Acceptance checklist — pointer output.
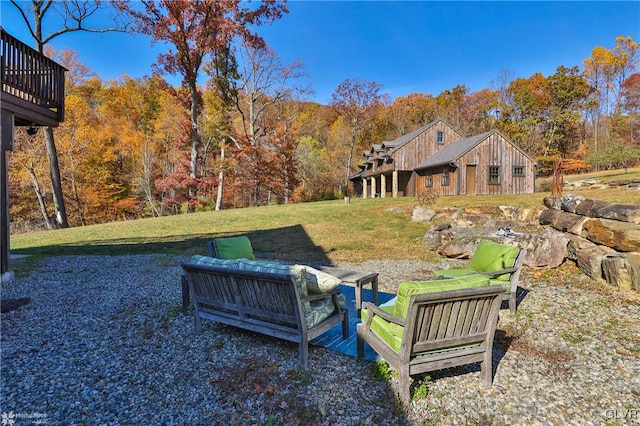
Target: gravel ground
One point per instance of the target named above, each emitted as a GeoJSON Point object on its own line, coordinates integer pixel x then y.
{"type": "Point", "coordinates": [104, 342]}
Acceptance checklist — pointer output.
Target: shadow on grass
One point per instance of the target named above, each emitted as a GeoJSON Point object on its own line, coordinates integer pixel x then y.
{"type": "Point", "coordinates": [290, 243]}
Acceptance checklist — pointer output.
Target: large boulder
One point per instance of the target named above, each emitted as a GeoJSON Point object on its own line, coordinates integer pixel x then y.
{"type": "Point", "coordinates": [437, 236]}
{"type": "Point", "coordinates": [622, 236]}
{"type": "Point", "coordinates": [563, 221]}
{"type": "Point", "coordinates": [621, 212]}
{"type": "Point", "coordinates": [520, 214]}
{"type": "Point", "coordinates": [421, 214]}
{"type": "Point", "coordinates": [547, 249]}
{"type": "Point", "coordinates": [590, 207]}
{"type": "Point", "coordinates": [588, 256]}
{"type": "Point", "coordinates": [622, 270]}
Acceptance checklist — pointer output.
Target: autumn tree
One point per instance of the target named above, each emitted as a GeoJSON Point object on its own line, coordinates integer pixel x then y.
{"type": "Point", "coordinates": [568, 94]}
{"type": "Point", "coordinates": [523, 116]}
{"type": "Point", "coordinates": [357, 101]}
{"type": "Point", "coordinates": [264, 91]}
{"type": "Point", "coordinates": [197, 29]}
{"type": "Point", "coordinates": [451, 105]}
{"type": "Point", "coordinates": [631, 104]}
{"type": "Point", "coordinates": [314, 153]}
{"type": "Point", "coordinates": [606, 70]}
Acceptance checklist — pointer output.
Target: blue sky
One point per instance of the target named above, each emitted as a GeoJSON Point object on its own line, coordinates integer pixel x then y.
{"type": "Point", "coordinates": [407, 46]}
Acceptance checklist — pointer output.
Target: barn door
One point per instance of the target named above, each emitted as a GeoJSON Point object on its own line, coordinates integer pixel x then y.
{"type": "Point", "coordinates": [471, 180]}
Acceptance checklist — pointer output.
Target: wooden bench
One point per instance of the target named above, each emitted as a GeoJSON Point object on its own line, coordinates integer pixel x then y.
{"type": "Point", "coordinates": [441, 330]}
{"type": "Point", "coordinates": [266, 303]}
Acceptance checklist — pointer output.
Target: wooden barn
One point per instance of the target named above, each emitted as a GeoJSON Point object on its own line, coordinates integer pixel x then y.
{"type": "Point", "coordinates": [437, 158]}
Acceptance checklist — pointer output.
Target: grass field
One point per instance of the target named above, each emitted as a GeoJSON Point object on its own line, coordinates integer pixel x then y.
{"type": "Point", "coordinates": [330, 230]}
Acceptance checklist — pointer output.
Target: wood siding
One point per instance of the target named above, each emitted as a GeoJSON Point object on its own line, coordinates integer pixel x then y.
{"type": "Point", "coordinates": [423, 146]}
{"type": "Point", "coordinates": [410, 155]}
{"type": "Point", "coordinates": [496, 150]}
{"type": "Point", "coordinates": [437, 179]}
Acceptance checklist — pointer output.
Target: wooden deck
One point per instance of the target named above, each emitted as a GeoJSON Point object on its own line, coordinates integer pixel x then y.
{"type": "Point", "coordinates": [32, 84]}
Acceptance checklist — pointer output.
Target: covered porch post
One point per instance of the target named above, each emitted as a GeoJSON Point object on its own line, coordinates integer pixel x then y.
{"type": "Point", "coordinates": [383, 186]}
{"type": "Point", "coordinates": [394, 184]}
{"type": "Point", "coordinates": [365, 183]}
{"type": "Point", "coordinates": [373, 187]}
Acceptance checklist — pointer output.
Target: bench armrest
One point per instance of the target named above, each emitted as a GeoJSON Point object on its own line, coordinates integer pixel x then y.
{"type": "Point", "coordinates": [493, 273]}
{"type": "Point", "coordinates": [488, 273]}
{"type": "Point", "coordinates": [320, 296]}
{"type": "Point", "coordinates": [373, 310]}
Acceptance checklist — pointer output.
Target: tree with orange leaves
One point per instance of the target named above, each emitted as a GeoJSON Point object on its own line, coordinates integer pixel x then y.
{"type": "Point", "coordinates": [198, 29]}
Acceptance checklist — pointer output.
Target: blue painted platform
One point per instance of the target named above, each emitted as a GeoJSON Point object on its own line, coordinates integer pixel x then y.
{"type": "Point", "coordinates": [332, 339]}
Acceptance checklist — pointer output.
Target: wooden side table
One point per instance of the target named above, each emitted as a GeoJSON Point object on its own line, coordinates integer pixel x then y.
{"type": "Point", "coordinates": [358, 279]}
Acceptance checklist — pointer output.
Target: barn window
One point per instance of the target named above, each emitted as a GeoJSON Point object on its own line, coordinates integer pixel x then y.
{"type": "Point", "coordinates": [440, 136]}
{"type": "Point", "coordinates": [518, 171]}
{"type": "Point", "coordinates": [494, 175]}
{"type": "Point", "coordinates": [445, 177]}
{"type": "Point", "coordinates": [428, 180]}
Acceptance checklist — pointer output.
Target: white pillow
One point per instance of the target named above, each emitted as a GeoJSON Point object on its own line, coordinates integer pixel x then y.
{"type": "Point", "coordinates": [318, 281]}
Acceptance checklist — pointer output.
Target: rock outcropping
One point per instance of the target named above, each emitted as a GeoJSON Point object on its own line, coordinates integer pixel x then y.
{"type": "Point", "coordinates": [604, 239]}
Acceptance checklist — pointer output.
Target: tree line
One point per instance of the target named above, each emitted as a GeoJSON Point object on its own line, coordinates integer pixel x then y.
{"type": "Point", "coordinates": [132, 148]}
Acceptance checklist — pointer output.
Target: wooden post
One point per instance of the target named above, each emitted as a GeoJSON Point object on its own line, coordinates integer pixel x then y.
{"type": "Point", "coordinates": [365, 183]}
{"type": "Point", "coordinates": [6, 144]}
{"type": "Point", "coordinates": [394, 184]}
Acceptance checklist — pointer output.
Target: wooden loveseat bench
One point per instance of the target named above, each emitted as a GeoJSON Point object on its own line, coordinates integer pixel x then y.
{"type": "Point", "coordinates": [264, 297]}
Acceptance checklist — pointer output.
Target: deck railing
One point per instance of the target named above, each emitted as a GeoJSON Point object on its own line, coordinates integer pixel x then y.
{"type": "Point", "coordinates": [35, 81]}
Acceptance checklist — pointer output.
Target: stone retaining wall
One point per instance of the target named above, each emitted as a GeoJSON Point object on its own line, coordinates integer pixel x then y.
{"type": "Point", "coordinates": [578, 185]}
{"type": "Point", "coordinates": [604, 239]}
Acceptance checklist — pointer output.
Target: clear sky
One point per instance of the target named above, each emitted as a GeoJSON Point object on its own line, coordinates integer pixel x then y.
{"type": "Point", "coordinates": [407, 46]}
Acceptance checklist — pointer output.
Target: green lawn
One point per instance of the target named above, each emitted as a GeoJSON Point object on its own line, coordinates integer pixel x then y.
{"type": "Point", "coordinates": [329, 230]}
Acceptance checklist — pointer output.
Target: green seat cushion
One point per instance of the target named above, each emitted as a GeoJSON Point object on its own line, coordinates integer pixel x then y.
{"type": "Point", "coordinates": [453, 273]}
{"type": "Point", "coordinates": [389, 332]}
{"type": "Point", "coordinates": [410, 288]}
{"type": "Point", "coordinates": [490, 256]}
{"type": "Point", "coordinates": [458, 273]}
{"type": "Point", "coordinates": [234, 248]}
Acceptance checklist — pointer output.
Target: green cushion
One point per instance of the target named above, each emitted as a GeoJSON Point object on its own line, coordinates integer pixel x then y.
{"type": "Point", "coordinates": [458, 273]}
{"type": "Point", "coordinates": [234, 248]}
{"type": "Point", "coordinates": [490, 256]}
{"type": "Point", "coordinates": [389, 332]}
{"type": "Point", "coordinates": [410, 288]}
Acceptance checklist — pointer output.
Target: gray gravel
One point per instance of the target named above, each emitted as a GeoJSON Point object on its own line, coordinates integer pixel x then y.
{"type": "Point", "coordinates": [104, 342]}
